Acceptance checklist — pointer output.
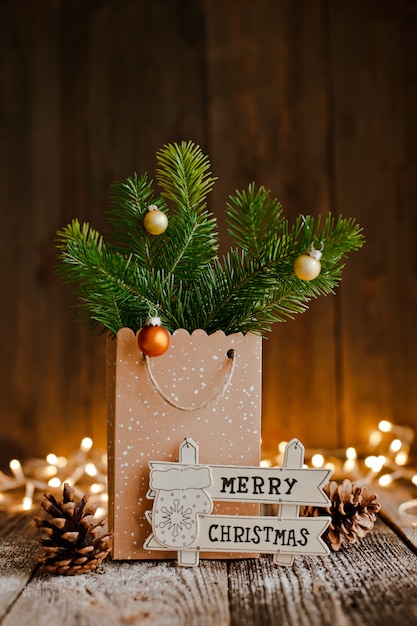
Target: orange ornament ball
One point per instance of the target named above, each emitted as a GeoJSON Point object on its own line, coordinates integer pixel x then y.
{"type": "Point", "coordinates": [153, 340]}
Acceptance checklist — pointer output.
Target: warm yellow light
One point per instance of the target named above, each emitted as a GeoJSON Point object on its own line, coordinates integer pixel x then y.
{"type": "Point", "coordinates": [369, 461]}
{"type": "Point", "coordinates": [317, 460]}
{"type": "Point", "coordinates": [281, 446]}
{"type": "Point", "coordinates": [401, 458]}
{"type": "Point", "coordinates": [51, 470]}
{"type": "Point", "coordinates": [16, 468]}
{"type": "Point", "coordinates": [375, 463]}
{"type": "Point", "coordinates": [265, 463]}
{"type": "Point", "coordinates": [375, 438]}
{"type": "Point", "coordinates": [385, 426]}
{"type": "Point", "coordinates": [27, 503]}
{"type": "Point", "coordinates": [349, 465]}
{"type": "Point", "coordinates": [91, 469]}
{"type": "Point", "coordinates": [385, 480]}
{"type": "Point", "coordinates": [395, 445]}
{"type": "Point", "coordinates": [351, 454]}
{"type": "Point", "coordinates": [86, 444]}
{"type": "Point", "coordinates": [100, 512]}
{"type": "Point", "coordinates": [96, 488]}
{"type": "Point", "coordinates": [54, 482]}
{"type": "Point", "coordinates": [414, 480]}
{"type": "Point", "coordinates": [381, 462]}
{"type": "Point", "coordinates": [58, 461]}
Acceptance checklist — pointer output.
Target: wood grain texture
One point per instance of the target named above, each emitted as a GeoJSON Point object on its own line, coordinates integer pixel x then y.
{"type": "Point", "coordinates": [90, 90]}
{"type": "Point", "coordinates": [403, 523]}
{"type": "Point", "coordinates": [371, 583]}
{"type": "Point", "coordinates": [375, 164]}
{"type": "Point", "coordinates": [266, 67]}
{"type": "Point", "coordinates": [128, 593]}
{"type": "Point", "coordinates": [18, 549]}
{"type": "Point", "coordinates": [366, 583]}
{"type": "Point", "coordinates": [313, 99]}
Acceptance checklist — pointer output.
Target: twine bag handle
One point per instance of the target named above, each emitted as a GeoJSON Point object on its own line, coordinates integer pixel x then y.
{"type": "Point", "coordinates": [231, 354]}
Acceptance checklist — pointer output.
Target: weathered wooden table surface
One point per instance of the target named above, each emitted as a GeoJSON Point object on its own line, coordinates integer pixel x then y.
{"type": "Point", "coordinates": [373, 582]}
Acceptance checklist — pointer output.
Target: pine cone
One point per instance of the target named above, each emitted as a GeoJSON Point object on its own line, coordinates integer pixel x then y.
{"type": "Point", "coordinates": [72, 542]}
{"type": "Point", "coordinates": [352, 509]}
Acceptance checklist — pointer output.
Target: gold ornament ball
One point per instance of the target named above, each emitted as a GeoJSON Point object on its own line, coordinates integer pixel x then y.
{"type": "Point", "coordinates": [155, 222]}
{"type": "Point", "coordinates": [153, 340]}
{"type": "Point", "coordinates": [307, 267]}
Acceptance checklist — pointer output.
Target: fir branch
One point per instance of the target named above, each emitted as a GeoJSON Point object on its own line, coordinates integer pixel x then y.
{"type": "Point", "coordinates": [189, 248]}
{"type": "Point", "coordinates": [253, 219]}
{"type": "Point", "coordinates": [112, 288]}
{"type": "Point", "coordinates": [178, 274]}
{"type": "Point", "coordinates": [184, 175]}
{"type": "Point", "coordinates": [129, 200]}
{"type": "Point", "coordinates": [188, 245]}
{"type": "Point", "coordinates": [192, 240]}
{"type": "Point", "coordinates": [265, 289]}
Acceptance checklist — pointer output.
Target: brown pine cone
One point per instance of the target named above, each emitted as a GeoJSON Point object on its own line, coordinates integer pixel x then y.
{"type": "Point", "coordinates": [352, 509]}
{"type": "Point", "coordinates": [73, 544]}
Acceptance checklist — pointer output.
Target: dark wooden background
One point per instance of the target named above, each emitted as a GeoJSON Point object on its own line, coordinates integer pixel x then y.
{"type": "Point", "coordinates": [315, 99]}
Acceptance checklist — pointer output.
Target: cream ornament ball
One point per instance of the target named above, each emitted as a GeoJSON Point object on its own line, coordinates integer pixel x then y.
{"type": "Point", "coordinates": [308, 266]}
{"type": "Point", "coordinates": [155, 221]}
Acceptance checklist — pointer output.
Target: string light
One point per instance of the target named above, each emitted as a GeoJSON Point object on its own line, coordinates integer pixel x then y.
{"type": "Point", "coordinates": [375, 438]}
{"type": "Point", "coordinates": [51, 473]}
{"type": "Point", "coordinates": [401, 458]}
{"type": "Point", "coordinates": [86, 444]}
{"type": "Point", "coordinates": [395, 445]}
{"type": "Point", "coordinates": [384, 426]}
{"type": "Point", "coordinates": [90, 469]}
{"type": "Point", "coordinates": [351, 454]}
{"type": "Point", "coordinates": [385, 480]}
{"type": "Point", "coordinates": [317, 460]}
{"type": "Point", "coordinates": [86, 469]}
{"type": "Point", "coordinates": [384, 459]}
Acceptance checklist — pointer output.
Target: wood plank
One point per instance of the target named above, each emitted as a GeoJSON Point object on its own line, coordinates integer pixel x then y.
{"type": "Point", "coordinates": [269, 115]}
{"type": "Point", "coordinates": [373, 65]}
{"type": "Point", "coordinates": [18, 550]}
{"type": "Point", "coordinates": [391, 498]}
{"type": "Point", "coordinates": [371, 582]}
{"type": "Point", "coordinates": [89, 92]}
{"type": "Point", "coordinates": [16, 225]}
{"type": "Point", "coordinates": [127, 593]}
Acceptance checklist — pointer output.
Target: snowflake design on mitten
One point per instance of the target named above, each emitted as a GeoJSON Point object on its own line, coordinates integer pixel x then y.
{"type": "Point", "coordinates": [175, 518]}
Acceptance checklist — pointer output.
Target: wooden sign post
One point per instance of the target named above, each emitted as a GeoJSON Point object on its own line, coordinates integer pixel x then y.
{"type": "Point", "coordinates": [184, 492]}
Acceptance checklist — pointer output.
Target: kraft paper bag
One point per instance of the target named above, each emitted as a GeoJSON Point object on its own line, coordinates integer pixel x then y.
{"type": "Point", "coordinates": [195, 390]}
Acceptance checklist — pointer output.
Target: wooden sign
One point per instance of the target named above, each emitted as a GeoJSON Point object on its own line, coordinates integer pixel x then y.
{"type": "Point", "coordinates": [184, 492]}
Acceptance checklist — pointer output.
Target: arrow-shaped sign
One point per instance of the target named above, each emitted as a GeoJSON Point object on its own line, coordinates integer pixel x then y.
{"type": "Point", "coordinates": [270, 535]}
{"type": "Point", "coordinates": [250, 484]}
